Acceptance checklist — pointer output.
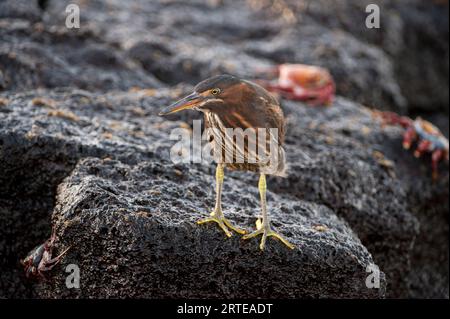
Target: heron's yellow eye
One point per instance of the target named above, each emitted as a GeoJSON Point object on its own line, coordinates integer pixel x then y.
{"type": "Point", "coordinates": [215, 91]}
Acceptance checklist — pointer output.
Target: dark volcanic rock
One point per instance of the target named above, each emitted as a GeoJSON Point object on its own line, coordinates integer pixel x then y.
{"type": "Point", "coordinates": [413, 33]}
{"type": "Point", "coordinates": [82, 150]}
{"type": "Point", "coordinates": [58, 128]}
{"type": "Point", "coordinates": [164, 43]}
{"type": "Point", "coordinates": [358, 190]}
{"type": "Point", "coordinates": [22, 9]}
{"type": "Point", "coordinates": [37, 55]}
{"type": "Point", "coordinates": [402, 66]}
{"type": "Point", "coordinates": [42, 135]}
{"type": "Point", "coordinates": [331, 163]}
{"type": "Point", "coordinates": [357, 68]}
{"type": "Point", "coordinates": [334, 160]}
{"type": "Point", "coordinates": [134, 235]}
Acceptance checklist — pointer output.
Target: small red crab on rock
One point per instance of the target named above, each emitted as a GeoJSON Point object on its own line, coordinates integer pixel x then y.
{"type": "Point", "coordinates": [429, 137]}
{"type": "Point", "coordinates": [40, 260]}
{"type": "Point", "coordinates": [300, 82]}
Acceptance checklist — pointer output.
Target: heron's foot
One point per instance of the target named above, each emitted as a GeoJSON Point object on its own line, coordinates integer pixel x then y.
{"type": "Point", "coordinates": [266, 231]}
{"type": "Point", "coordinates": [223, 223]}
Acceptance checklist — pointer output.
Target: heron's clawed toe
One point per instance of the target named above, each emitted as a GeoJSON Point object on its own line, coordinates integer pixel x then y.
{"type": "Point", "coordinates": [267, 232]}
{"type": "Point", "coordinates": [234, 228]}
{"type": "Point", "coordinates": [223, 223]}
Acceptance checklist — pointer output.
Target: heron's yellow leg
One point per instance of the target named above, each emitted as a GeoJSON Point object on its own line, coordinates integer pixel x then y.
{"type": "Point", "coordinates": [263, 227]}
{"type": "Point", "coordinates": [217, 215]}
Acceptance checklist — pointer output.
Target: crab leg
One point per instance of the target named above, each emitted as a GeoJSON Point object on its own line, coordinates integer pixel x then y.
{"type": "Point", "coordinates": [435, 158]}
{"type": "Point", "coordinates": [409, 136]}
{"type": "Point", "coordinates": [58, 258]}
{"type": "Point", "coordinates": [423, 147]}
{"type": "Point", "coordinates": [54, 261]}
{"type": "Point", "coordinates": [326, 94]}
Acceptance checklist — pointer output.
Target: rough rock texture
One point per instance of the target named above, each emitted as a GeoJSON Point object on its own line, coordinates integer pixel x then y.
{"type": "Point", "coordinates": [103, 126]}
{"type": "Point", "coordinates": [82, 150]}
{"type": "Point", "coordinates": [413, 33]}
{"type": "Point", "coordinates": [359, 189]}
{"type": "Point", "coordinates": [376, 206]}
{"type": "Point", "coordinates": [39, 146]}
{"type": "Point", "coordinates": [82, 58]}
{"type": "Point", "coordinates": [128, 227]}
{"type": "Point", "coordinates": [406, 60]}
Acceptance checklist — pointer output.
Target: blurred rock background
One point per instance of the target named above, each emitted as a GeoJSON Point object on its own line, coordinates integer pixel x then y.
{"type": "Point", "coordinates": [79, 138]}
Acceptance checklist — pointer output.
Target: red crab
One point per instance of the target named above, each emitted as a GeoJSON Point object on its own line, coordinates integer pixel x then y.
{"type": "Point", "coordinates": [40, 260]}
{"type": "Point", "coordinates": [303, 83]}
{"type": "Point", "coordinates": [429, 137]}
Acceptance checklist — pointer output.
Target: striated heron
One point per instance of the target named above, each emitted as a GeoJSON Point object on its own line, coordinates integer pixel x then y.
{"type": "Point", "coordinates": [233, 108]}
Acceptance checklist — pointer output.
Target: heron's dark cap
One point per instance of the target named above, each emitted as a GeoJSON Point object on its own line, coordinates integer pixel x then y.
{"type": "Point", "coordinates": [219, 81]}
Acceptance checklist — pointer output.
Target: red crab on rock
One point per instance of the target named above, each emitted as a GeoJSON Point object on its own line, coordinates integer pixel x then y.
{"type": "Point", "coordinates": [429, 137]}
{"type": "Point", "coordinates": [300, 82]}
{"type": "Point", "coordinates": [40, 260]}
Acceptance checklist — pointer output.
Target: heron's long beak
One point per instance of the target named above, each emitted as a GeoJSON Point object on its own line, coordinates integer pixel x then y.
{"type": "Point", "coordinates": [188, 102]}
